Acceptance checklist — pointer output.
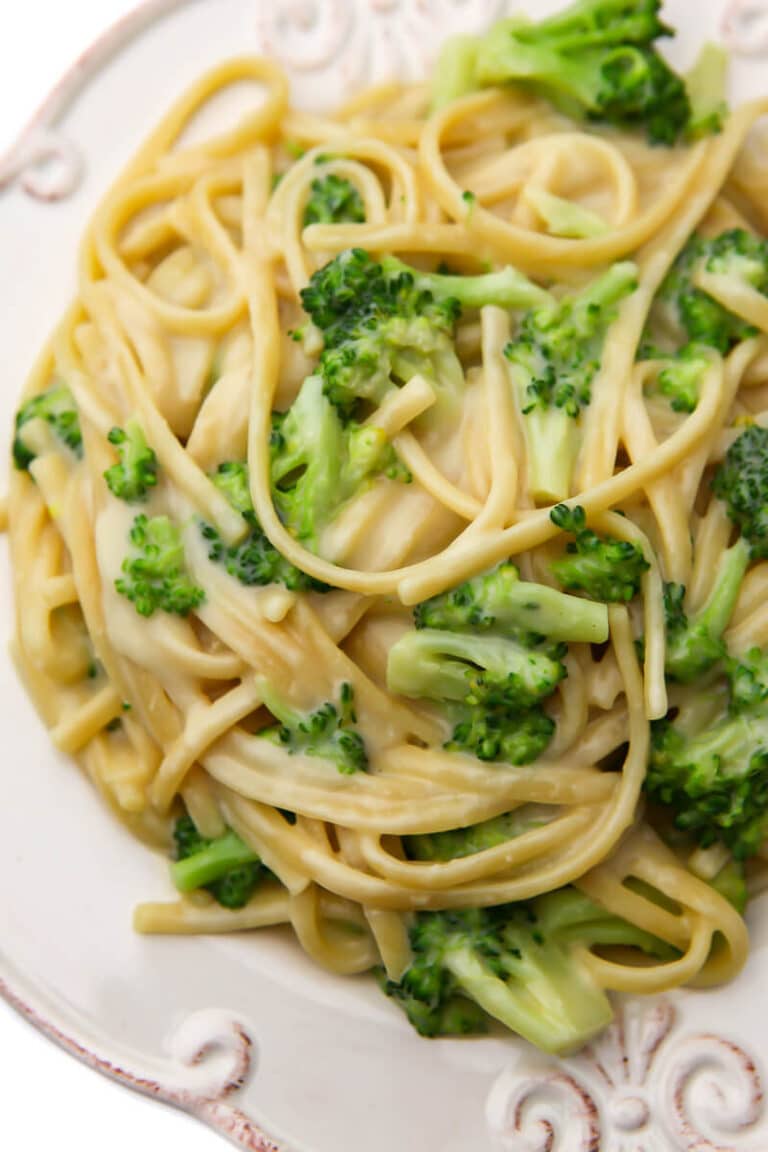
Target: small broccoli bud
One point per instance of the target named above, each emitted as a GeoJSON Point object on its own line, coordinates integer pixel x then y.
{"type": "Point", "coordinates": [225, 867]}
{"type": "Point", "coordinates": [330, 731]}
{"type": "Point", "coordinates": [741, 482]}
{"type": "Point", "coordinates": [333, 200]}
{"type": "Point", "coordinates": [131, 479]}
{"type": "Point", "coordinates": [155, 574]}
{"type": "Point", "coordinates": [605, 568]}
{"type": "Point", "coordinates": [56, 407]}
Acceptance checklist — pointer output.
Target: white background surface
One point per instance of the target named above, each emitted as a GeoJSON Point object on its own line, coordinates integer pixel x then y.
{"type": "Point", "coordinates": [49, 1100]}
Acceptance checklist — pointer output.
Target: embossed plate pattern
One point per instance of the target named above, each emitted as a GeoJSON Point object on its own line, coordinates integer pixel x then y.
{"type": "Point", "coordinates": [246, 1033]}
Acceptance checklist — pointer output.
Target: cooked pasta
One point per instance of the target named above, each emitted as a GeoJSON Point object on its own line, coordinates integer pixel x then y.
{"type": "Point", "coordinates": [188, 334]}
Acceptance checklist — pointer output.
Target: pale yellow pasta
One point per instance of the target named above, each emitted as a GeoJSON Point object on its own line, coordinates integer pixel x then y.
{"type": "Point", "coordinates": [189, 281]}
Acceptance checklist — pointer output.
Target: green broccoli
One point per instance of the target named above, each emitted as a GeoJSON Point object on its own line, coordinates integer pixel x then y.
{"type": "Point", "coordinates": [555, 357]}
{"type": "Point", "coordinates": [522, 964]}
{"type": "Point", "coordinates": [605, 568]}
{"type": "Point", "coordinates": [333, 200]}
{"type": "Point", "coordinates": [383, 322]}
{"type": "Point", "coordinates": [155, 574]}
{"type": "Point", "coordinates": [595, 60]}
{"type": "Point", "coordinates": [131, 479]}
{"type": "Point", "coordinates": [456, 843]}
{"type": "Point", "coordinates": [56, 406]}
{"type": "Point", "coordinates": [680, 378]}
{"type": "Point", "coordinates": [226, 867]}
{"type": "Point", "coordinates": [329, 731]}
{"type": "Point", "coordinates": [683, 314]}
{"type": "Point", "coordinates": [320, 459]}
{"type": "Point", "coordinates": [255, 560]}
{"type": "Point", "coordinates": [706, 87]}
{"type": "Point", "coordinates": [731, 883]}
{"type": "Point", "coordinates": [500, 600]}
{"type": "Point", "coordinates": [716, 781]}
{"type": "Point", "coordinates": [695, 644]}
{"type": "Point", "coordinates": [741, 482]}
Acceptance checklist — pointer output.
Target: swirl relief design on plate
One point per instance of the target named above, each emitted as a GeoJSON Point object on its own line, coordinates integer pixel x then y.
{"type": "Point", "coordinates": [638, 1088]}
{"type": "Point", "coordinates": [210, 1058]}
{"type": "Point", "coordinates": [329, 48]}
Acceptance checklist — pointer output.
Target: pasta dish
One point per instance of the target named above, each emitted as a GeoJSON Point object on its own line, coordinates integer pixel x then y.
{"type": "Point", "coordinates": [388, 517]}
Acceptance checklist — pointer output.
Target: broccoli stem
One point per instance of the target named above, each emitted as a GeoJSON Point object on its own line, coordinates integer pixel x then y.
{"type": "Point", "coordinates": [212, 862]}
{"type": "Point", "coordinates": [454, 75]}
{"type": "Point", "coordinates": [554, 1003]}
{"type": "Point", "coordinates": [506, 288]}
{"type": "Point", "coordinates": [552, 439]}
{"type": "Point", "coordinates": [718, 607]}
{"type": "Point", "coordinates": [538, 608]}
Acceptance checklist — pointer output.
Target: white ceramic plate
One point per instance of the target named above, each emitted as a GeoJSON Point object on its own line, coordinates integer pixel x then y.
{"type": "Point", "coordinates": [245, 1032]}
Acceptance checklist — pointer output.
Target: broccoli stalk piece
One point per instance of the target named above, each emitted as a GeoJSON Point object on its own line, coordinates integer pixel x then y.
{"type": "Point", "coordinates": [226, 867]}
{"type": "Point", "coordinates": [741, 482]}
{"type": "Point", "coordinates": [596, 60]}
{"type": "Point", "coordinates": [731, 883]}
{"type": "Point", "coordinates": [456, 843]}
{"type": "Point", "coordinates": [131, 479]}
{"type": "Point", "coordinates": [554, 359]}
{"type": "Point", "coordinates": [255, 560]}
{"type": "Point", "coordinates": [695, 644]}
{"type": "Point", "coordinates": [320, 460]}
{"type": "Point", "coordinates": [55, 406]}
{"type": "Point", "coordinates": [716, 781]}
{"type": "Point", "coordinates": [384, 322]}
{"type": "Point", "coordinates": [328, 732]}
{"type": "Point", "coordinates": [683, 313]}
{"type": "Point", "coordinates": [523, 964]}
{"type": "Point", "coordinates": [605, 568]}
{"type": "Point", "coordinates": [499, 599]}
{"type": "Point", "coordinates": [706, 86]}
{"type": "Point", "coordinates": [155, 574]}
{"type": "Point", "coordinates": [333, 200]}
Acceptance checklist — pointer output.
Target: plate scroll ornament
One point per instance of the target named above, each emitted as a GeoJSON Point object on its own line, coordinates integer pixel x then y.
{"type": "Point", "coordinates": [641, 1087]}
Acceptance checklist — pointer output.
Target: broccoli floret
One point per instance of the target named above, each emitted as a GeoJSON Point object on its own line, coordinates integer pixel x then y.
{"type": "Point", "coordinates": [748, 678]}
{"type": "Point", "coordinates": [695, 643]}
{"type": "Point", "coordinates": [501, 732]}
{"type": "Point", "coordinates": [682, 313]}
{"type": "Point", "coordinates": [487, 671]}
{"type": "Point", "coordinates": [131, 479]}
{"type": "Point", "coordinates": [555, 357]}
{"type": "Point", "coordinates": [255, 560]}
{"type": "Point", "coordinates": [491, 688]}
{"type": "Point", "coordinates": [155, 574]}
{"type": "Point", "coordinates": [329, 731]}
{"type": "Point", "coordinates": [383, 322]}
{"type": "Point", "coordinates": [320, 460]}
{"type": "Point", "coordinates": [522, 964]}
{"type": "Point", "coordinates": [680, 378]}
{"type": "Point", "coordinates": [741, 482]}
{"type": "Point", "coordinates": [605, 568]}
{"type": "Point", "coordinates": [333, 200]}
{"type": "Point", "coordinates": [56, 407]}
{"type": "Point", "coordinates": [716, 781]}
{"type": "Point", "coordinates": [500, 600]}
{"type": "Point", "coordinates": [226, 867]}
{"type": "Point", "coordinates": [456, 843]}
{"type": "Point", "coordinates": [596, 60]}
